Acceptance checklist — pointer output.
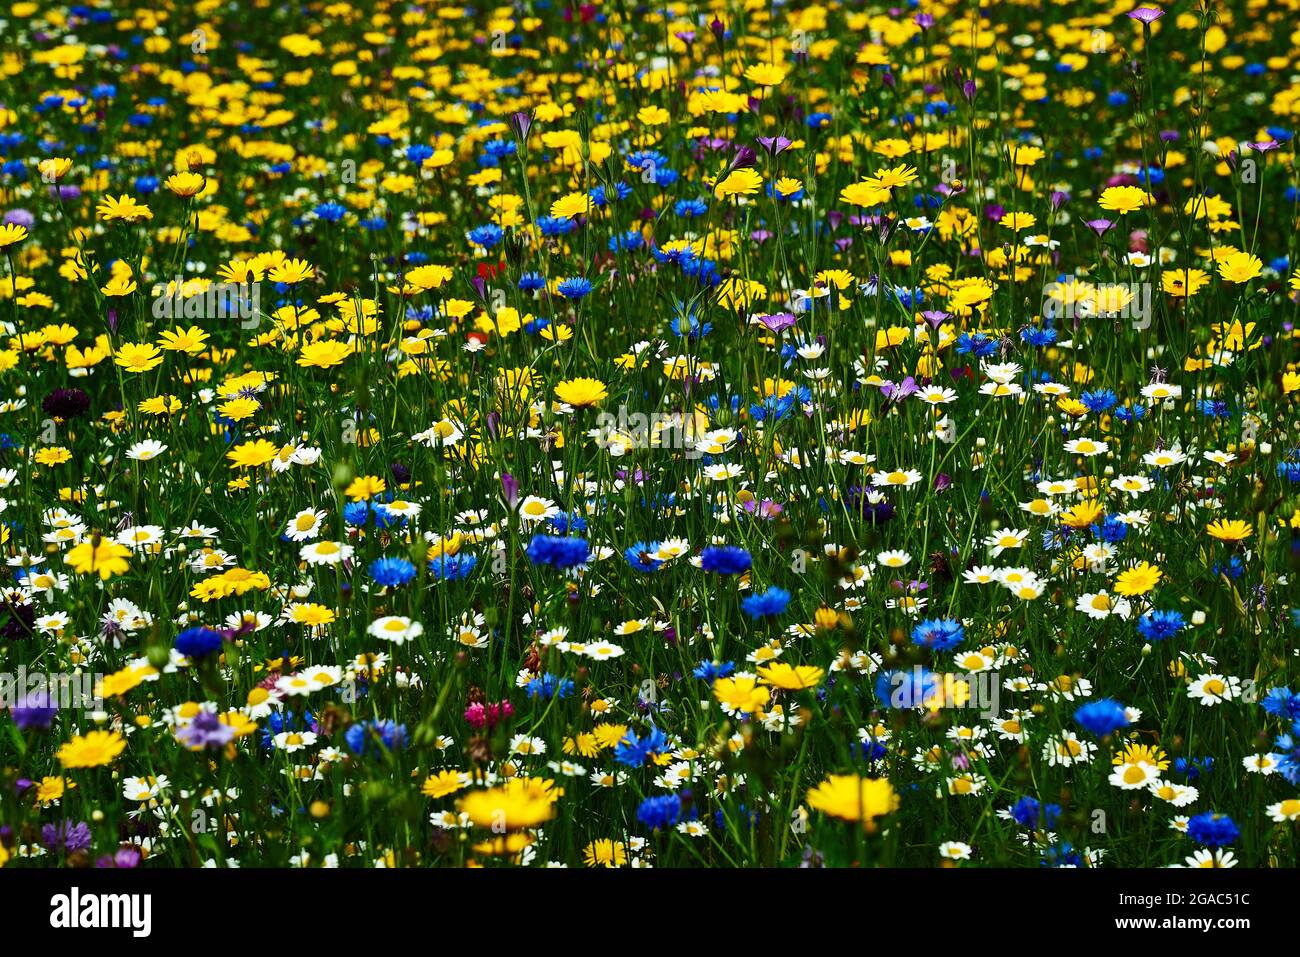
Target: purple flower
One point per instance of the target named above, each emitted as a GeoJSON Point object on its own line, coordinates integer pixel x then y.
{"type": "Point", "coordinates": [775, 145]}
{"type": "Point", "coordinates": [778, 321]}
{"type": "Point", "coordinates": [19, 217]}
{"type": "Point", "coordinates": [205, 731]}
{"type": "Point", "coordinates": [897, 392]}
{"type": "Point", "coordinates": [510, 488]}
{"type": "Point", "coordinates": [1147, 15]}
{"type": "Point", "coordinates": [1099, 226]}
{"type": "Point", "coordinates": [125, 857]}
{"type": "Point", "coordinates": [34, 711]}
{"type": "Point", "coordinates": [72, 837]}
{"type": "Point", "coordinates": [522, 122]}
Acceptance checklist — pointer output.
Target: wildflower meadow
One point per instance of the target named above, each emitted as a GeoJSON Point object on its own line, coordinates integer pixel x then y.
{"type": "Point", "coordinates": [743, 434]}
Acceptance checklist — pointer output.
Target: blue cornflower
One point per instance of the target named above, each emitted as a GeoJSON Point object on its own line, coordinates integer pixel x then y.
{"type": "Point", "coordinates": [639, 557]}
{"type": "Point", "coordinates": [1100, 400]}
{"type": "Point", "coordinates": [906, 689]}
{"type": "Point", "coordinates": [549, 686]}
{"type": "Point", "coordinates": [766, 604]}
{"type": "Point", "coordinates": [375, 737]}
{"type": "Point", "coordinates": [417, 153]}
{"type": "Point", "coordinates": [976, 344]}
{"type": "Point", "coordinates": [690, 208]}
{"type": "Point", "coordinates": [1101, 717]}
{"type": "Point", "coordinates": [330, 212]}
{"type": "Point", "coordinates": [1028, 812]}
{"type": "Point", "coordinates": [1158, 625]}
{"type": "Point", "coordinates": [532, 281]}
{"type": "Point", "coordinates": [453, 567]}
{"type": "Point", "coordinates": [556, 225]}
{"type": "Point", "coordinates": [1128, 414]}
{"type": "Point", "coordinates": [1213, 829]}
{"type": "Point", "coordinates": [725, 559]}
{"type": "Point", "coordinates": [711, 671]}
{"type": "Point", "coordinates": [1282, 702]}
{"type": "Point", "coordinates": [634, 751]}
{"type": "Point", "coordinates": [198, 642]}
{"type": "Point", "coordinates": [1035, 336]}
{"type": "Point", "coordinates": [939, 634]}
{"type": "Point", "coordinates": [356, 513]}
{"type": "Point", "coordinates": [558, 551]}
{"type": "Point", "coordinates": [391, 572]}
{"type": "Point", "coordinates": [564, 522]}
{"type": "Point", "coordinates": [486, 236]}
{"type": "Point", "coordinates": [1111, 530]}
{"type": "Point", "coordinates": [659, 812]}
{"type": "Point", "coordinates": [574, 288]}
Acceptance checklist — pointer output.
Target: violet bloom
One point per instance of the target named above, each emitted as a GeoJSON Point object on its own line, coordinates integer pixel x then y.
{"type": "Point", "coordinates": [126, 857]}
{"type": "Point", "coordinates": [35, 711]}
{"type": "Point", "coordinates": [1099, 226]}
{"type": "Point", "coordinates": [522, 122]}
{"type": "Point", "coordinates": [775, 145]}
{"type": "Point", "coordinates": [936, 317]}
{"type": "Point", "coordinates": [71, 837]}
{"type": "Point", "coordinates": [205, 731]}
{"type": "Point", "coordinates": [19, 217]}
{"type": "Point", "coordinates": [777, 321]}
{"type": "Point", "coordinates": [897, 392]}
{"type": "Point", "coordinates": [510, 488]}
{"type": "Point", "coordinates": [1147, 15]}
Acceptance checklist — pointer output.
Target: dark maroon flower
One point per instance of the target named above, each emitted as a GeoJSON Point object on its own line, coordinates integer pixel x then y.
{"type": "Point", "coordinates": [66, 403]}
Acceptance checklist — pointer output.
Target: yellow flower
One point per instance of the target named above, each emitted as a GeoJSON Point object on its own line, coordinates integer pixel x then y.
{"type": "Point", "coordinates": [101, 556]}
{"type": "Point", "coordinates": [252, 454]}
{"type": "Point", "coordinates": [186, 184]}
{"type": "Point", "coordinates": [54, 169]}
{"type": "Point", "coordinates": [741, 693]}
{"type": "Point", "coordinates": [851, 797]}
{"type": "Point", "coordinates": [740, 182]}
{"type": "Point", "coordinates": [791, 677]}
{"type": "Point", "coordinates": [192, 340]}
{"type": "Point", "coordinates": [11, 233]}
{"type": "Point", "coordinates": [444, 783]}
{"type": "Point", "coordinates": [124, 208]}
{"type": "Point", "coordinates": [866, 193]}
{"type": "Point", "coordinates": [291, 271]}
{"type": "Point", "coordinates": [1240, 267]}
{"type": "Point", "coordinates": [605, 852]}
{"type": "Point", "coordinates": [765, 74]}
{"type": "Point", "coordinates": [574, 204]}
{"type": "Point", "coordinates": [1138, 580]}
{"type": "Point", "coordinates": [519, 803]}
{"type": "Point", "coordinates": [92, 750]}
{"type": "Point", "coordinates": [1230, 530]}
{"type": "Point", "coordinates": [365, 487]}
{"type": "Point", "coordinates": [324, 353]}
{"type": "Point", "coordinates": [138, 356]}
{"type": "Point", "coordinates": [1124, 199]}
{"type": "Point", "coordinates": [1083, 514]}
{"type": "Point", "coordinates": [581, 392]}
{"type": "Point", "coordinates": [52, 455]}
{"type": "Point", "coordinates": [1183, 283]}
